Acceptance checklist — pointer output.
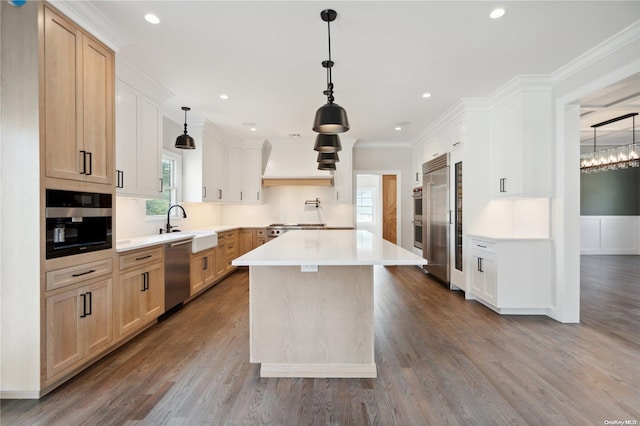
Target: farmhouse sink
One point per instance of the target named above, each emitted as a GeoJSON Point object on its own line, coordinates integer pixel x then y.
{"type": "Point", "coordinates": [203, 240]}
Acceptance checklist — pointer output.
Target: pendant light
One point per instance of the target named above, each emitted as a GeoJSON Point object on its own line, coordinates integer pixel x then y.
{"type": "Point", "coordinates": [328, 157]}
{"type": "Point", "coordinates": [327, 143]}
{"type": "Point", "coordinates": [185, 141]}
{"type": "Point", "coordinates": [326, 166]}
{"type": "Point", "coordinates": [330, 118]}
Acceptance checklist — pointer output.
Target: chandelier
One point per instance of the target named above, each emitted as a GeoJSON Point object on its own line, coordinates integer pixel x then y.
{"type": "Point", "coordinates": [620, 157]}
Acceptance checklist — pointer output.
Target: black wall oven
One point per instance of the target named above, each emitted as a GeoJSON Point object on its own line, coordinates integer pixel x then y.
{"type": "Point", "coordinates": [417, 217]}
{"type": "Point", "coordinates": [77, 222]}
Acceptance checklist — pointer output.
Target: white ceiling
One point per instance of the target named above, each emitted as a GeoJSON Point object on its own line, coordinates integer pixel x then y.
{"type": "Point", "coordinates": [266, 56]}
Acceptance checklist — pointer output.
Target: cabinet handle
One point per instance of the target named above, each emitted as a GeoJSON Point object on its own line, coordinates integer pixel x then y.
{"type": "Point", "coordinates": [503, 186]}
{"type": "Point", "coordinates": [147, 274]}
{"type": "Point", "coordinates": [457, 143]}
{"type": "Point", "coordinates": [205, 265]}
{"type": "Point", "coordinates": [144, 281]}
{"type": "Point", "coordinates": [122, 179]}
{"type": "Point", "coordinates": [258, 195]}
{"type": "Point", "coordinates": [90, 164]}
{"type": "Point", "coordinates": [480, 245]}
{"type": "Point", "coordinates": [480, 269]}
{"type": "Point", "coordinates": [90, 304]}
{"type": "Point", "coordinates": [84, 162]}
{"type": "Point", "coordinates": [161, 185]}
{"type": "Point", "coordinates": [118, 176]}
{"type": "Point", "coordinates": [417, 176]}
{"type": "Point", "coordinates": [436, 154]}
{"type": "Point", "coordinates": [84, 273]}
{"type": "Point", "coordinates": [144, 257]}
{"type": "Point", "coordinates": [240, 195]}
{"type": "Point", "coordinates": [84, 305]}
{"type": "Point", "coordinates": [219, 194]}
{"type": "Point", "coordinates": [204, 192]}
{"type": "Point", "coordinates": [450, 217]}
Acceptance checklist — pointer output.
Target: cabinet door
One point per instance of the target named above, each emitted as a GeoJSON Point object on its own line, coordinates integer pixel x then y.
{"type": "Point", "coordinates": [477, 276]}
{"type": "Point", "coordinates": [234, 174]}
{"type": "Point", "coordinates": [490, 279]}
{"type": "Point", "coordinates": [246, 241]}
{"type": "Point", "coordinates": [212, 171]}
{"type": "Point", "coordinates": [252, 175]}
{"type": "Point", "coordinates": [127, 138]}
{"type": "Point", "coordinates": [210, 266]}
{"type": "Point", "coordinates": [62, 97]}
{"type": "Point", "coordinates": [149, 149]}
{"type": "Point", "coordinates": [64, 341]}
{"type": "Point", "coordinates": [131, 316]}
{"type": "Point", "coordinates": [153, 296]}
{"type": "Point", "coordinates": [221, 260]}
{"type": "Point", "coordinates": [98, 324]}
{"type": "Point", "coordinates": [198, 266]}
{"type": "Point", "coordinates": [97, 107]}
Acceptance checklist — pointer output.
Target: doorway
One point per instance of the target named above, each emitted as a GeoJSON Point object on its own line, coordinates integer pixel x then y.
{"type": "Point", "coordinates": [378, 204]}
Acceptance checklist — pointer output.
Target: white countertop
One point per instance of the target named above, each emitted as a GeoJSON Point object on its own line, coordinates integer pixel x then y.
{"type": "Point", "coordinates": [505, 237]}
{"type": "Point", "coordinates": [328, 247]}
{"type": "Point", "coordinates": [151, 240]}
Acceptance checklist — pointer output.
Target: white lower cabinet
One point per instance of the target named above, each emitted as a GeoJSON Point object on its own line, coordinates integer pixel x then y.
{"type": "Point", "coordinates": [511, 275]}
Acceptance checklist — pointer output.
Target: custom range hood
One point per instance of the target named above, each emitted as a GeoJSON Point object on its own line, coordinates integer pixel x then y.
{"type": "Point", "coordinates": [293, 163]}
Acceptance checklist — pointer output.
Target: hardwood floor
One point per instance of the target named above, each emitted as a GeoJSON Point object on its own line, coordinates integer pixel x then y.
{"type": "Point", "coordinates": [441, 360]}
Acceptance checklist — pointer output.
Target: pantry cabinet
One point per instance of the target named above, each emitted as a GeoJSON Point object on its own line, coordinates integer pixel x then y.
{"type": "Point", "coordinates": [78, 103]}
{"type": "Point", "coordinates": [252, 168]}
{"type": "Point", "coordinates": [79, 324]}
{"type": "Point", "coordinates": [235, 174]}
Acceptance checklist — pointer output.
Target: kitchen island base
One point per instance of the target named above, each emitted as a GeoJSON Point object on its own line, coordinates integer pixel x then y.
{"type": "Point", "coordinates": [312, 324]}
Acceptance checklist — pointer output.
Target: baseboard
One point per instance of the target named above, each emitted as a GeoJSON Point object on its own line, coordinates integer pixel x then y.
{"type": "Point", "coordinates": [335, 371]}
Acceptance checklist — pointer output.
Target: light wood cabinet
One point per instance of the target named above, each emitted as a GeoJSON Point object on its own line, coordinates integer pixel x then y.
{"type": "Point", "coordinates": [260, 237]}
{"type": "Point", "coordinates": [245, 240]}
{"type": "Point", "coordinates": [228, 249]}
{"type": "Point", "coordinates": [140, 289]}
{"type": "Point", "coordinates": [78, 103]}
{"type": "Point", "coordinates": [79, 324]}
{"type": "Point", "coordinates": [203, 269]}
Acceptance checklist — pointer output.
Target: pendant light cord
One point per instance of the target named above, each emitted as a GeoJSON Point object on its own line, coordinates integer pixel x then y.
{"type": "Point", "coordinates": [185, 121]}
{"type": "Point", "coordinates": [329, 65]}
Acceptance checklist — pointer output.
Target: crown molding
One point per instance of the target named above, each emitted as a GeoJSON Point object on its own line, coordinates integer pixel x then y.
{"type": "Point", "coordinates": [597, 53]}
{"type": "Point", "coordinates": [131, 75]}
{"type": "Point", "coordinates": [377, 144]}
{"type": "Point", "coordinates": [93, 21]}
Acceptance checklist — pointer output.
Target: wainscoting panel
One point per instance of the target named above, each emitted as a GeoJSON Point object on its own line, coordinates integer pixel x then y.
{"type": "Point", "coordinates": [609, 235]}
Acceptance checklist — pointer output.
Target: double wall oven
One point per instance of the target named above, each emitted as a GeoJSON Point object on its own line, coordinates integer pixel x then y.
{"type": "Point", "coordinates": [77, 222]}
{"type": "Point", "coordinates": [417, 217]}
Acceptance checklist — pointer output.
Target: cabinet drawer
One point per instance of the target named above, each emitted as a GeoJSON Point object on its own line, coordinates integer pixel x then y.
{"type": "Point", "coordinates": [140, 257]}
{"type": "Point", "coordinates": [484, 246]}
{"type": "Point", "coordinates": [78, 273]}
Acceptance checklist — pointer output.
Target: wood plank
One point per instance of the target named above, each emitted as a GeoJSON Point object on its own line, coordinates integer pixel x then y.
{"type": "Point", "coordinates": [441, 360]}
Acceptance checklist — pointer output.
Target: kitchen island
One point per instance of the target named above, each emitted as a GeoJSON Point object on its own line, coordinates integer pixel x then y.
{"type": "Point", "coordinates": [311, 302]}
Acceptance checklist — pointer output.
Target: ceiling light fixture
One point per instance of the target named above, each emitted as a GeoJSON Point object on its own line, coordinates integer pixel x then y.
{"type": "Point", "coordinates": [497, 13]}
{"type": "Point", "coordinates": [185, 141]}
{"type": "Point", "coordinates": [398, 128]}
{"type": "Point", "coordinates": [327, 143]}
{"type": "Point", "coordinates": [426, 95]}
{"type": "Point", "coordinates": [328, 157]}
{"type": "Point", "coordinates": [619, 157]}
{"type": "Point", "coordinates": [330, 118]}
{"type": "Point", "coordinates": [223, 96]}
{"type": "Point", "coordinates": [326, 166]}
{"type": "Point", "coordinates": [151, 18]}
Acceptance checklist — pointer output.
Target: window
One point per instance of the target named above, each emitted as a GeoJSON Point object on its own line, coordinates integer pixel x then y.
{"type": "Point", "coordinates": [364, 205]}
{"type": "Point", "coordinates": [171, 177]}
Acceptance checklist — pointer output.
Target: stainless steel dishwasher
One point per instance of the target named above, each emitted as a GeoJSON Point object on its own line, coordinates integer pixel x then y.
{"type": "Point", "coordinates": [177, 273]}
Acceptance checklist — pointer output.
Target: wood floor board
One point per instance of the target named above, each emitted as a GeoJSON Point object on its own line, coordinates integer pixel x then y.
{"type": "Point", "coordinates": [441, 359]}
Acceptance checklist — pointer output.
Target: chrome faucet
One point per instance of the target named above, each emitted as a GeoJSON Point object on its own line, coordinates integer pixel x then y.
{"type": "Point", "coordinates": [184, 215]}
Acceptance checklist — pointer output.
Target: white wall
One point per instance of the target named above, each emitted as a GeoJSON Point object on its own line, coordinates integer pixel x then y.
{"type": "Point", "coordinates": [389, 159]}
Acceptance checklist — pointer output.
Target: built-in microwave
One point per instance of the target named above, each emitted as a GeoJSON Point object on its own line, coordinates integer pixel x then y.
{"type": "Point", "coordinates": [77, 222]}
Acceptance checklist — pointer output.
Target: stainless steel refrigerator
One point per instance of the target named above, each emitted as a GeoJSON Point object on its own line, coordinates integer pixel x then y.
{"type": "Point", "coordinates": [436, 216]}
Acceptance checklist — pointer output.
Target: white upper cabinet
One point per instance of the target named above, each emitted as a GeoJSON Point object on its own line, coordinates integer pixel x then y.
{"type": "Point", "coordinates": [343, 176]}
{"type": "Point", "coordinates": [251, 192]}
{"type": "Point", "coordinates": [138, 133]}
{"type": "Point", "coordinates": [235, 174]}
{"type": "Point", "coordinates": [522, 145]}
{"type": "Point", "coordinates": [217, 172]}
{"type": "Point", "coordinates": [138, 143]}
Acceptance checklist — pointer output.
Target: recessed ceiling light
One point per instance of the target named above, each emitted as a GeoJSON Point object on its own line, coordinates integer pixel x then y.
{"type": "Point", "coordinates": [223, 96]}
{"type": "Point", "coordinates": [253, 129]}
{"type": "Point", "coordinates": [497, 13]}
{"type": "Point", "coordinates": [151, 18]}
{"type": "Point", "coordinates": [398, 128]}
{"type": "Point", "coordinates": [426, 95]}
